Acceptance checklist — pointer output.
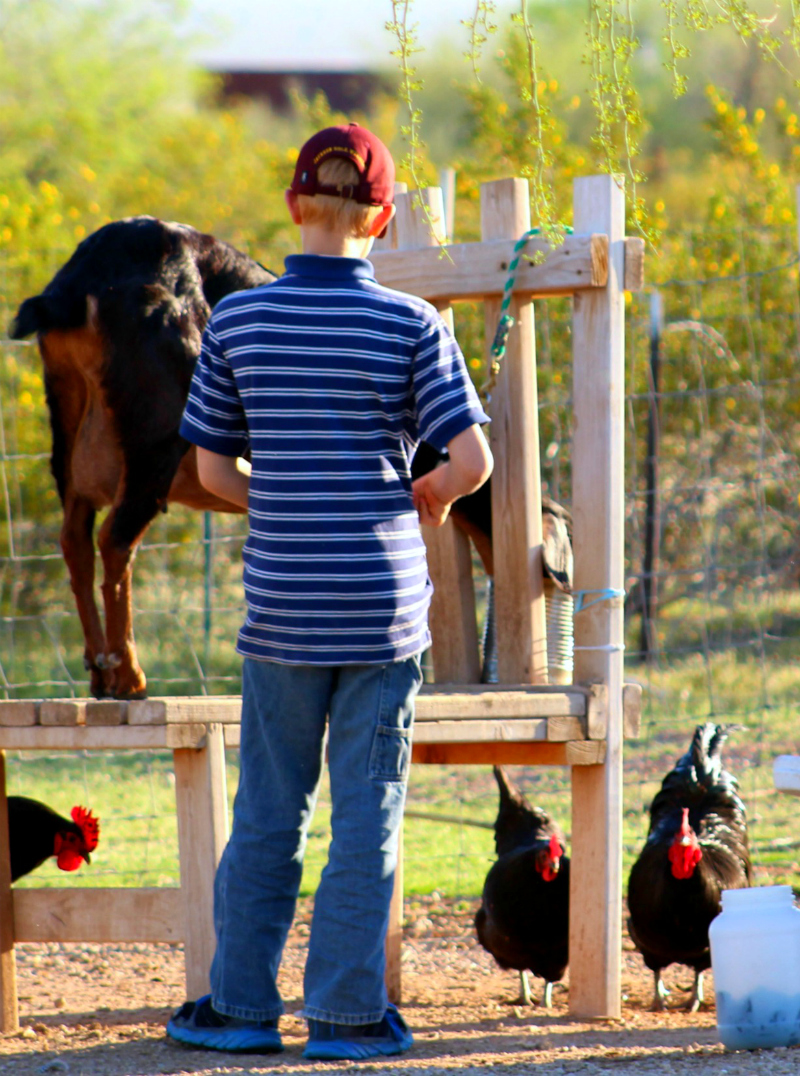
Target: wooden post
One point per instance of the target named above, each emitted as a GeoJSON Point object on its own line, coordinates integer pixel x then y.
{"type": "Point", "coordinates": [202, 805]}
{"type": "Point", "coordinates": [598, 530]}
{"type": "Point", "coordinates": [9, 1013]}
{"type": "Point", "coordinates": [452, 617]}
{"type": "Point", "coordinates": [516, 480]}
{"type": "Point", "coordinates": [453, 621]}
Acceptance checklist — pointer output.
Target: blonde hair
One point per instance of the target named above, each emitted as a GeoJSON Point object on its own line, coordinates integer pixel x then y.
{"type": "Point", "coordinates": [343, 215]}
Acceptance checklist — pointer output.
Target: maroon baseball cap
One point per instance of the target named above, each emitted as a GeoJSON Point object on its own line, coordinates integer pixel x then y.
{"type": "Point", "coordinates": [352, 143]}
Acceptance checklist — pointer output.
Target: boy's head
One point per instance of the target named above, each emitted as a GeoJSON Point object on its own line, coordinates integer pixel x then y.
{"type": "Point", "coordinates": [343, 179]}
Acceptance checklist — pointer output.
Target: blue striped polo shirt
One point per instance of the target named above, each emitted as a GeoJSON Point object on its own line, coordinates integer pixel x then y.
{"type": "Point", "coordinates": [331, 379]}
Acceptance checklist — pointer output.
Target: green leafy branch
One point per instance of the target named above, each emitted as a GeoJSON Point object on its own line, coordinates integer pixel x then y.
{"type": "Point", "coordinates": [480, 27]}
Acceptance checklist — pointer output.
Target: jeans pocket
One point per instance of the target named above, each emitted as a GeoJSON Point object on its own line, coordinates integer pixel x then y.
{"type": "Point", "coordinates": [391, 754]}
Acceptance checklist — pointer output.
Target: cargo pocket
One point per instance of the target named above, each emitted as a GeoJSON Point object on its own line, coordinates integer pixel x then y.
{"type": "Point", "coordinates": [391, 754]}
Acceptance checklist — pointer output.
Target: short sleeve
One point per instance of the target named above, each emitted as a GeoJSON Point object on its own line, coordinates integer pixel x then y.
{"type": "Point", "coordinates": [214, 417]}
{"type": "Point", "coordinates": [445, 398]}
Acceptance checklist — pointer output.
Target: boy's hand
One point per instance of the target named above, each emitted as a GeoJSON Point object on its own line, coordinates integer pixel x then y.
{"type": "Point", "coordinates": [429, 498]}
{"type": "Point", "coordinates": [468, 467]}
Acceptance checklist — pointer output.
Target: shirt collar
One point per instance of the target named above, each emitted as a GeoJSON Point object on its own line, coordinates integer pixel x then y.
{"type": "Point", "coordinates": [323, 267]}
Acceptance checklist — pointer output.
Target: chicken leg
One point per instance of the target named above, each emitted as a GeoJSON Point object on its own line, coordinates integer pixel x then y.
{"type": "Point", "coordinates": [660, 993]}
{"type": "Point", "coordinates": [698, 994]}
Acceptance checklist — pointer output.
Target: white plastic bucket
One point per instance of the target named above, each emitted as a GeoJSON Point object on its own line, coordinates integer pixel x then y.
{"type": "Point", "coordinates": [755, 957]}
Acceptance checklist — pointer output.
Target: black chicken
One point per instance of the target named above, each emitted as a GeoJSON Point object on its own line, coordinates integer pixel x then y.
{"type": "Point", "coordinates": [696, 847]}
{"type": "Point", "coordinates": [523, 920]}
{"type": "Point", "coordinates": [37, 832]}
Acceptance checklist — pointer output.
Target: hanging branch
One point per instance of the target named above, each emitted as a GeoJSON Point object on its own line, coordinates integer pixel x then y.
{"type": "Point", "coordinates": [541, 191]}
{"type": "Point", "coordinates": [406, 35]}
{"type": "Point", "coordinates": [480, 27]}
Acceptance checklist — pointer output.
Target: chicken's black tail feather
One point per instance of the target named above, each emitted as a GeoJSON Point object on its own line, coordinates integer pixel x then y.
{"type": "Point", "coordinates": [518, 824]}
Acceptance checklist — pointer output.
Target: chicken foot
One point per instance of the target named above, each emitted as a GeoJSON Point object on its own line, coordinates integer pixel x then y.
{"type": "Point", "coordinates": [698, 994]}
{"type": "Point", "coordinates": [660, 993]}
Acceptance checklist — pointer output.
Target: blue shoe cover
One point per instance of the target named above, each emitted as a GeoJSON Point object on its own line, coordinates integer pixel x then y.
{"type": "Point", "coordinates": [198, 1024]}
{"type": "Point", "coordinates": [343, 1042]}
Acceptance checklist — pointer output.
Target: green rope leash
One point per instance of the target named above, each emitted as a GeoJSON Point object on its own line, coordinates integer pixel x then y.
{"type": "Point", "coordinates": [505, 322]}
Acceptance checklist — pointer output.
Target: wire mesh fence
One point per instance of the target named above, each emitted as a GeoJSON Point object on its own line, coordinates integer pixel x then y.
{"type": "Point", "coordinates": [712, 606]}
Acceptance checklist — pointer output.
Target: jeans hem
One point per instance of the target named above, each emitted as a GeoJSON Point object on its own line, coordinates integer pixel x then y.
{"type": "Point", "coordinates": [256, 1016]}
{"type": "Point", "coordinates": [349, 1019]}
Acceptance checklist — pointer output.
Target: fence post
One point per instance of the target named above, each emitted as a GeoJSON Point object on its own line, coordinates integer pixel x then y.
{"type": "Point", "coordinates": [652, 521]}
{"type": "Point", "coordinates": [452, 617]}
{"type": "Point", "coordinates": [598, 510]}
{"type": "Point", "coordinates": [516, 479]}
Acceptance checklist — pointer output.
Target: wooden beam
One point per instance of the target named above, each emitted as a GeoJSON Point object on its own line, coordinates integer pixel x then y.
{"type": "Point", "coordinates": [582, 753]}
{"type": "Point", "coordinates": [476, 270]}
{"type": "Point", "coordinates": [153, 914]}
{"type": "Point", "coordinates": [487, 703]}
{"type": "Point", "coordinates": [598, 491]}
{"type": "Point", "coordinates": [102, 738]}
{"type": "Point", "coordinates": [178, 709]}
{"type": "Point", "coordinates": [519, 729]}
{"type": "Point", "coordinates": [421, 230]}
{"type": "Point", "coordinates": [18, 712]}
{"type": "Point", "coordinates": [516, 481]}
{"type": "Point", "coordinates": [9, 1013]}
{"type": "Point", "coordinates": [202, 804]}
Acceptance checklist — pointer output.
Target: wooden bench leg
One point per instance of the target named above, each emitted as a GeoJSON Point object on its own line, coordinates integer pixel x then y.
{"type": "Point", "coordinates": [595, 903]}
{"type": "Point", "coordinates": [394, 935]}
{"type": "Point", "coordinates": [9, 1013]}
{"type": "Point", "coordinates": [202, 805]}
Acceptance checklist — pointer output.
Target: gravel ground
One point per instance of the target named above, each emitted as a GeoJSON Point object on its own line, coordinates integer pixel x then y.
{"type": "Point", "coordinates": [100, 1010]}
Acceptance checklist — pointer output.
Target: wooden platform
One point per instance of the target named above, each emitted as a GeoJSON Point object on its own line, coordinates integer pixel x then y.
{"type": "Point", "coordinates": [454, 724]}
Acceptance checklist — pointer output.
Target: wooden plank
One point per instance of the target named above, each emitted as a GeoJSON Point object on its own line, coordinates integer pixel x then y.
{"type": "Point", "coordinates": [178, 709]}
{"type": "Point", "coordinates": [489, 704]}
{"type": "Point", "coordinates": [116, 738]}
{"type": "Point", "coordinates": [477, 270]}
{"type": "Point", "coordinates": [9, 1013]}
{"type": "Point", "coordinates": [481, 731]}
{"type": "Point", "coordinates": [598, 537]}
{"type": "Point", "coordinates": [202, 805]}
{"type": "Point", "coordinates": [153, 914]}
{"type": "Point", "coordinates": [516, 482]}
{"type": "Point", "coordinates": [452, 615]}
{"type": "Point", "coordinates": [420, 226]}
{"type": "Point", "coordinates": [505, 753]}
{"type": "Point", "coordinates": [597, 712]}
{"type": "Point", "coordinates": [634, 263]}
{"type": "Point", "coordinates": [16, 712]}
{"type": "Point", "coordinates": [106, 713]}
{"type": "Point", "coordinates": [66, 712]}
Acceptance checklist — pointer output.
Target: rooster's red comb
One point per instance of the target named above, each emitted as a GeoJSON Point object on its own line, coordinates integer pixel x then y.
{"type": "Point", "coordinates": [555, 849]}
{"type": "Point", "coordinates": [89, 826]}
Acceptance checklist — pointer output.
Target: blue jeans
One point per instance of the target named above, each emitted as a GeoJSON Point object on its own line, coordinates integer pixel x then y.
{"type": "Point", "coordinates": [370, 711]}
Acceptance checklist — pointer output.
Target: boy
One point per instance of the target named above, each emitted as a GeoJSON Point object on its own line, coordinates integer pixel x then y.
{"type": "Point", "coordinates": [331, 380]}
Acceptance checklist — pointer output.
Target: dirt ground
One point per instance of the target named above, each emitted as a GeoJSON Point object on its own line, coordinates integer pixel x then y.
{"type": "Point", "coordinates": [100, 1010]}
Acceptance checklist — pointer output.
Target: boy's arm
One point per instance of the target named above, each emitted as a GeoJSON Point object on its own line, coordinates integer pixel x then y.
{"type": "Point", "coordinates": [469, 466]}
{"type": "Point", "coordinates": [227, 476]}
